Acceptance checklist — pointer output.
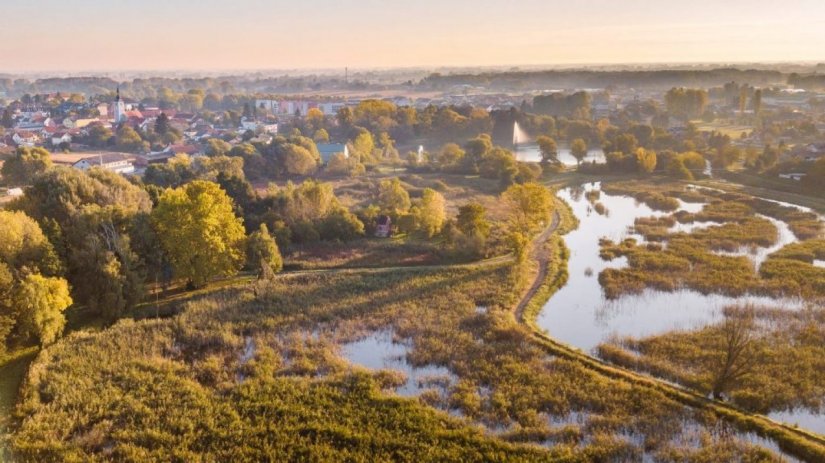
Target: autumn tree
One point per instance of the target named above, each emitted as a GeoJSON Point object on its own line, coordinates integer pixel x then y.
{"type": "Point", "coordinates": [529, 205]}
{"type": "Point", "coordinates": [298, 160]}
{"type": "Point", "coordinates": [200, 232]}
{"type": "Point", "coordinates": [471, 220]}
{"type": "Point", "coordinates": [262, 253]}
{"type": "Point", "coordinates": [364, 145]}
{"type": "Point", "coordinates": [549, 150]}
{"type": "Point", "coordinates": [645, 160]}
{"type": "Point", "coordinates": [321, 136]}
{"type": "Point", "coordinates": [32, 299]}
{"type": "Point", "coordinates": [218, 147]}
{"type": "Point", "coordinates": [430, 212]}
{"type": "Point", "coordinates": [392, 197]}
{"type": "Point", "coordinates": [24, 164]}
{"type": "Point", "coordinates": [41, 302]}
{"type": "Point", "coordinates": [578, 148]}
{"type": "Point", "coordinates": [450, 156]}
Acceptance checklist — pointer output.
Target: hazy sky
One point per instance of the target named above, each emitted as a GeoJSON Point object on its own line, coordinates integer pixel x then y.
{"type": "Point", "coordinates": [259, 34]}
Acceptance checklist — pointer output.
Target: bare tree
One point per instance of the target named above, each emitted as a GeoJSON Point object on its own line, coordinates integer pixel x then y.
{"type": "Point", "coordinates": [738, 356]}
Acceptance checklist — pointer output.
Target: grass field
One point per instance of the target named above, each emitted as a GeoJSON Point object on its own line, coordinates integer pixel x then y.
{"type": "Point", "coordinates": [735, 131]}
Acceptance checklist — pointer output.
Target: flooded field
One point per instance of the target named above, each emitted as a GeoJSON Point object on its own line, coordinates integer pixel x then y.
{"type": "Point", "coordinates": [379, 351]}
{"type": "Point", "coordinates": [580, 315]}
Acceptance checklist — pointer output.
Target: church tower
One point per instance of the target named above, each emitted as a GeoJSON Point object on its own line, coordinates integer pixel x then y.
{"type": "Point", "coordinates": [119, 109]}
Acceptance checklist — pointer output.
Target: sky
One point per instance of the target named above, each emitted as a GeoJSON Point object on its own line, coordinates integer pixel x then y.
{"type": "Point", "coordinates": [94, 35]}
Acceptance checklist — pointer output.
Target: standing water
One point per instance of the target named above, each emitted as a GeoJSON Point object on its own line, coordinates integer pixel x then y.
{"type": "Point", "coordinates": [526, 150]}
{"type": "Point", "coordinates": [580, 315]}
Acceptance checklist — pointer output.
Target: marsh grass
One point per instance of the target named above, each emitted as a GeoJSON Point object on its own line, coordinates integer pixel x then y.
{"type": "Point", "coordinates": [674, 260]}
{"type": "Point", "coordinates": [186, 388]}
{"type": "Point", "coordinates": [789, 347]}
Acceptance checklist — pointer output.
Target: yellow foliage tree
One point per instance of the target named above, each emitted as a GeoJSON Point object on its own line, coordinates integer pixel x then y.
{"type": "Point", "coordinates": [200, 232]}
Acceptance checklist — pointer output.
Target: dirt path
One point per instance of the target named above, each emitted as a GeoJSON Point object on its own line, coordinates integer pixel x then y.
{"type": "Point", "coordinates": [540, 254]}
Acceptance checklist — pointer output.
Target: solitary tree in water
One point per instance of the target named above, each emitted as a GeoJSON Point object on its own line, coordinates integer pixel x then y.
{"type": "Point", "coordinates": [738, 357]}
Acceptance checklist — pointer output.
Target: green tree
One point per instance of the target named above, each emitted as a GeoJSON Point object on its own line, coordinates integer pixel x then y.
{"type": "Point", "coordinates": [162, 124]}
{"type": "Point", "coordinates": [478, 147]}
{"type": "Point", "coordinates": [676, 168]}
{"type": "Point", "coordinates": [200, 232]}
{"type": "Point", "coordinates": [471, 220]}
{"type": "Point", "coordinates": [578, 149]}
{"type": "Point", "coordinates": [392, 197]}
{"type": "Point", "coordinates": [340, 225]}
{"type": "Point", "coordinates": [218, 147]}
{"type": "Point", "coordinates": [450, 156]}
{"type": "Point", "coordinates": [756, 101]}
{"type": "Point", "coordinates": [6, 120]}
{"type": "Point", "coordinates": [549, 150]}
{"type": "Point", "coordinates": [129, 140]}
{"type": "Point", "coordinates": [24, 164]}
{"type": "Point", "coordinates": [41, 302]}
{"type": "Point", "coordinates": [262, 253]}
{"type": "Point", "coordinates": [430, 212]}
{"type": "Point", "coordinates": [99, 136]}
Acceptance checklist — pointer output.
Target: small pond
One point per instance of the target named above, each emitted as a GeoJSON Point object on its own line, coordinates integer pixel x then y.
{"type": "Point", "coordinates": [379, 351]}
{"type": "Point", "coordinates": [530, 153]}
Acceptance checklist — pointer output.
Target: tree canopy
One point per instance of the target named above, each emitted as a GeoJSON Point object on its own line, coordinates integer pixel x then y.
{"type": "Point", "coordinates": [199, 231]}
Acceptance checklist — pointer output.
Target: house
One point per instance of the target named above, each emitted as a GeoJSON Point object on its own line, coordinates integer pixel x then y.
{"type": "Point", "coordinates": [61, 137]}
{"type": "Point", "coordinates": [25, 138]}
{"type": "Point", "coordinates": [247, 124]}
{"type": "Point", "coordinates": [328, 150]}
{"type": "Point", "coordinates": [115, 162]}
{"type": "Point", "coordinates": [383, 226]}
{"type": "Point", "coordinates": [14, 192]}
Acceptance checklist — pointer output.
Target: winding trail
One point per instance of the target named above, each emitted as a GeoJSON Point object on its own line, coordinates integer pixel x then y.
{"type": "Point", "coordinates": [541, 254]}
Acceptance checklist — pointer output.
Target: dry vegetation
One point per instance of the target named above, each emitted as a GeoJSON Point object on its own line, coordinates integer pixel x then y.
{"type": "Point", "coordinates": [99, 396]}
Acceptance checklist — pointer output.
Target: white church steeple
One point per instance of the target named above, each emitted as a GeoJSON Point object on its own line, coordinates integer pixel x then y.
{"type": "Point", "coordinates": [119, 109]}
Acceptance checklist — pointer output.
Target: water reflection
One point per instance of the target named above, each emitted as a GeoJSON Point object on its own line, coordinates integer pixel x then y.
{"type": "Point", "coordinates": [380, 352]}
{"type": "Point", "coordinates": [581, 316]}
{"type": "Point", "coordinates": [810, 420]}
{"type": "Point", "coordinates": [531, 153]}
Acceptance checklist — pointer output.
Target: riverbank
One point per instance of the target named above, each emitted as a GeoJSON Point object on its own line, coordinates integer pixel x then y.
{"type": "Point", "coordinates": [552, 274]}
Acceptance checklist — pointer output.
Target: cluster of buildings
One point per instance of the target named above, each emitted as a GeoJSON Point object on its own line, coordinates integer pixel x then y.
{"type": "Point", "coordinates": [58, 124]}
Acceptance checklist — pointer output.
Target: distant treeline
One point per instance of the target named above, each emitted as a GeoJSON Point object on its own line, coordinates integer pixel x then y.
{"type": "Point", "coordinates": [600, 79]}
{"type": "Point", "coordinates": [149, 87]}
{"type": "Point", "coordinates": [807, 82]}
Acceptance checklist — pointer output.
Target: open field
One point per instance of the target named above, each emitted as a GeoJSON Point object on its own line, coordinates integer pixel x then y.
{"type": "Point", "coordinates": [735, 131]}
